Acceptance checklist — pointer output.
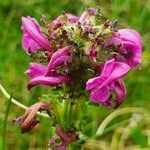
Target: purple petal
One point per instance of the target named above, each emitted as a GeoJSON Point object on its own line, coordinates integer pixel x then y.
{"type": "Point", "coordinates": [119, 70]}
{"type": "Point", "coordinates": [36, 70]}
{"type": "Point", "coordinates": [61, 61]}
{"type": "Point", "coordinates": [108, 103]}
{"type": "Point", "coordinates": [131, 43]}
{"type": "Point", "coordinates": [48, 81]}
{"type": "Point", "coordinates": [120, 91]}
{"type": "Point", "coordinates": [135, 51]}
{"type": "Point", "coordinates": [29, 45]}
{"type": "Point", "coordinates": [100, 95]}
{"type": "Point", "coordinates": [106, 71]}
{"type": "Point", "coordinates": [112, 71]}
{"type": "Point", "coordinates": [130, 35]}
{"type": "Point", "coordinates": [56, 56]}
{"type": "Point", "coordinates": [33, 35]}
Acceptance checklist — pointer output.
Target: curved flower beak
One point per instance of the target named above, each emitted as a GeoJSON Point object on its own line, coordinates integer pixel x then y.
{"type": "Point", "coordinates": [33, 38]}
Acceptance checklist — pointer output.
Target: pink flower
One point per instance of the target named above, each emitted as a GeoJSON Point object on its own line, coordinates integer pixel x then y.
{"type": "Point", "coordinates": [131, 47]}
{"type": "Point", "coordinates": [48, 75]}
{"type": "Point", "coordinates": [33, 38]}
{"type": "Point", "coordinates": [109, 80]}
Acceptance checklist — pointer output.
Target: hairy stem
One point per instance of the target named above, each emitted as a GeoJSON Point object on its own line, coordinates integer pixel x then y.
{"type": "Point", "coordinates": [19, 104]}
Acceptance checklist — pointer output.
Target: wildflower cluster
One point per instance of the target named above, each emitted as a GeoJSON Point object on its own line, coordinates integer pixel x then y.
{"type": "Point", "coordinates": [76, 49]}
{"type": "Point", "coordinates": [81, 54]}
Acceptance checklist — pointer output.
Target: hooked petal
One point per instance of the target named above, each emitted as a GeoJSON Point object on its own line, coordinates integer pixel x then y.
{"type": "Point", "coordinates": [100, 95]}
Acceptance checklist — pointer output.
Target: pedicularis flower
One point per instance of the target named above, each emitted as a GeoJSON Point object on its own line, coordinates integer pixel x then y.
{"type": "Point", "coordinates": [109, 80]}
{"type": "Point", "coordinates": [84, 53]}
{"type": "Point", "coordinates": [48, 75]}
{"type": "Point", "coordinates": [33, 38]}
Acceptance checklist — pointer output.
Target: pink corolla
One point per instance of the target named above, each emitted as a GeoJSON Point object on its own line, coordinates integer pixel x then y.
{"type": "Point", "coordinates": [33, 38]}
{"type": "Point", "coordinates": [109, 81]}
{"type": "Point", "coordinates": [130, 46]}
{"type": "Point", "coordinates": [48, 75]}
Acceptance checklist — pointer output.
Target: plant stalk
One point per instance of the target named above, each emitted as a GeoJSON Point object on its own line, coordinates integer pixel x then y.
{"type": "Point", "coordinates": [19, 104]}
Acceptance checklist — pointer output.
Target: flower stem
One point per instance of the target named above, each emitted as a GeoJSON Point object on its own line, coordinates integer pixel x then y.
{"type": "Point", "coordinates": [19, 104]}
{"type": "Point", "coordinates": [115, 114]}
{"type": "Point", "coordinates": [5, 125]}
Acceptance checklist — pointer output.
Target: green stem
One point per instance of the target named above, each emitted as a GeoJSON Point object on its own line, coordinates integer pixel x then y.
{"type": "Point", "coordinates": [5, 125]}
{"type": "Point", "coordinates": [115, 114]}
{"type": "Point", "coordinates": [19, 104]}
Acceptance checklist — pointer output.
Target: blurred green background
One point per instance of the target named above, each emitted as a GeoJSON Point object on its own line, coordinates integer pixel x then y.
{"type": "Point", "coordinates": [14, 62]}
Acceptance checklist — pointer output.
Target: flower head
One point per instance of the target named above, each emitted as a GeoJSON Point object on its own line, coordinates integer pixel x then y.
{"type": "Point", "coordinates": [78, 48]}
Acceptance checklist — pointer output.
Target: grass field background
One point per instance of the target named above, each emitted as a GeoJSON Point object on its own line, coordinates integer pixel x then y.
{"type": "Point", "coordinates": [14, 62]}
